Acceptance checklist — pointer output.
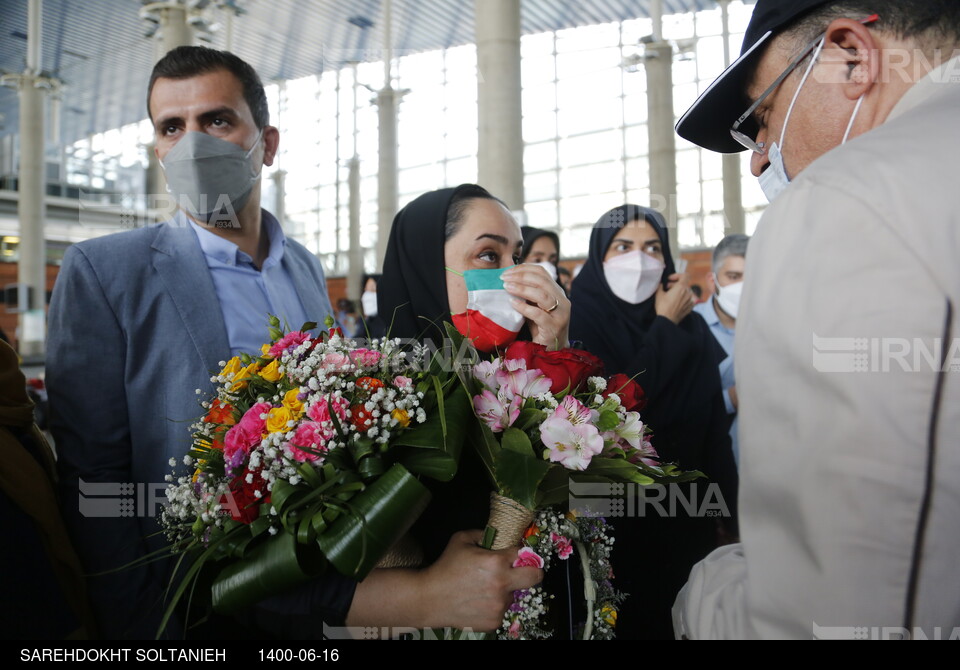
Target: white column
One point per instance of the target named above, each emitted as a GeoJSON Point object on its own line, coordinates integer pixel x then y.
{"type": "Point", "coordinates": [355, 256]}
{"type": "Point", "coordinates": [500, 132]}
{"type": "Point", "coordinates": [735, 220]}
{"type": "Point", "coordinates": [663, 149]}
{"type": "Point", "coordinates": [388, 100]}
{"type": "Point", "coordinates": [31, 208]}
{"type": "Point", "coordinates": [174, 32]}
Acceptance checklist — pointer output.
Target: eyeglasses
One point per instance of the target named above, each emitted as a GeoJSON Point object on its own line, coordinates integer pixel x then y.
{"type": "Point", "coordinates": [749, 142]}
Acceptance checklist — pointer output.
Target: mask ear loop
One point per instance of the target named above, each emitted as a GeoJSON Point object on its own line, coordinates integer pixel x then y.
{"type": "Point", "coordinates": [813, 61]}
{"type": "Point", "coordinates": [856, 110]}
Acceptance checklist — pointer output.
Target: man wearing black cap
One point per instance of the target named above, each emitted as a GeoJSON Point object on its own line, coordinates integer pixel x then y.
{"type": "Point", "coordinates": [849, 406]}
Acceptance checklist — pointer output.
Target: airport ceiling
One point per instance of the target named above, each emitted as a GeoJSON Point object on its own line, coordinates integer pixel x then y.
{"type": "Point", "coordinates": [100, 51]}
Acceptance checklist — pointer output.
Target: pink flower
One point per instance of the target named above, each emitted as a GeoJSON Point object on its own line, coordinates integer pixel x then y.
{"type": "Point", "coordinates": [528, 558]}
{"type": "Point", "coordinates": [320, 410]}
{"type": "Point", "coordinates": [365, 358]}
{"type": "Point", "coordinates": [574, 411]}
{"type": "Point", "coordinates": [334, 362]}
{"type": "Point", "coordinates": [486, 373]}
{"type": "Point", "coordinates": [288, 341]}
{"type": "Point", "coordinates": [402, 382]}
{"type": "Point", "coordinates": [563, 545]}
{"type": "Point", "coordinates": [514, 631]}
{"type": "Point", "coordinates": [522, 382]}
{"type": "Point", "coordinates": [646, 454]}
{"type": "Point", "coordinates": [495, 411]}
{"type": "Point", "coordinates": [572, 444]}
{"type": "Point", "coordinates": [312, 437]}
{"type": "Point", "coordinates": [247, 432]}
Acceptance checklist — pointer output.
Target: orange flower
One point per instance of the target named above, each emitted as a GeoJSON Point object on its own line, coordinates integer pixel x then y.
{"type": "Point", "coordinates": [369, 384]}
{"type": "Point", "coordinates": [531, 531]}
{"type": "Point", "coordinates": [221, 413]}
{"type": "Point", "coordinates": [360, 418]}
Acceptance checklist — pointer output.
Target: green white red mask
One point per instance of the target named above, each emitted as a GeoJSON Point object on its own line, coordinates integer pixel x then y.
{"type": "Point", "coordinates": [490, 321]}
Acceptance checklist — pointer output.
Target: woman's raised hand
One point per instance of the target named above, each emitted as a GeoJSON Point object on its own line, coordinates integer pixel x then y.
{"type": "Point", "coordinates": [677, 301]}
{"type": "Point", "coordinates": [542, 301]}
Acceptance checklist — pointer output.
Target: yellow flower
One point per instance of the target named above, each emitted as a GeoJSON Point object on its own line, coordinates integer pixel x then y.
{"type": "Point", "coordinates": [291, 402]}
{"type": "Point", "coordinates": [609, 615]}
{"type": "Point", "coordinates": [572, 515]}
{"type": "Point", "coordinates": [272, 372]}
{"type": "Point", "coordinates": [233, 365]}
{"type": "Point", "coordinates": [242, 378]}
{"type": "Point", "coordinates": [277, 420]}
{"type": "Point", "coordinates": [401, 416]}
{"type": "Point", "coordinates": [265, 351]}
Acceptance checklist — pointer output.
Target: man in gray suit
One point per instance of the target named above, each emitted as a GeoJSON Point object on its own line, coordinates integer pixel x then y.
{"type": "Point", "coordinates": [141, 319]}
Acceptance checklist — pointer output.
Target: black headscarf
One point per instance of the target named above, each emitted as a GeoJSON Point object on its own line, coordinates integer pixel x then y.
{"type": "Point", "coordinates": [677, 366]}
{"type": "Point", "coordinates": [531, 235]}
{"type": "Point", "coordinates": [412, 294]}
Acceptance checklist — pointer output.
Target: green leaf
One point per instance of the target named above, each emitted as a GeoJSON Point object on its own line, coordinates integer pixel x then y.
{"type": "Point", "coordinates": [519, 475]}
{"type": "Point", "coordinates": [617, 470]}
{"type": "Point", "coordinates": [378, 518]}
{"type": "Point", "coordinates": [272, 567]}
{"type": "Point", "coordinates": [607, 421]}
{"type": "Point", "coordinates": [516, 440]}
{"type": "Point", "coordinates": [529, 418]}
{"type": "Point", "coordinates": [307, 326]}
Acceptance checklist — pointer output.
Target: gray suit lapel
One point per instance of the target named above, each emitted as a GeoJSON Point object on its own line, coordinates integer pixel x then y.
{"type": "Point", "coordinates": [309, 284]}
{"type": "Point", "coordinates": [182, 267]}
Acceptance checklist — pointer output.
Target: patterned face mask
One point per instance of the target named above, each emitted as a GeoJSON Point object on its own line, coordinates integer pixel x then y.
{"type": "Point", "coordinates": [490, 320]}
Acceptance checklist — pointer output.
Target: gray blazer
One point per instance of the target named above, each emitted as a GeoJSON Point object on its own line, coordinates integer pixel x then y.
{"type": "Point", "coordinates": [134, 328]}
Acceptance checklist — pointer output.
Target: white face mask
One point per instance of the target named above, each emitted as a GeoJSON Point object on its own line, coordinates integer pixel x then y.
{"type": "Point", "coordinates": [633, 277]}
{"type": "Point", "coordinates": [774, 180]}
{"type": "Point", "coordinates": [369, 303]}
{"type": "Point", "coordinates": [550, 268]}
{"type": "Point", "coordinates": [728, 297]}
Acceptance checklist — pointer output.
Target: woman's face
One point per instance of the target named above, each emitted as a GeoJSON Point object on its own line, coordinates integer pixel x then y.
{"type": "Point", "coordinates": [488, 238]}
{"type": "Point", "coordinates": [543, 250]}
{"type": "Point", "coordinates": [635, 235]}
{"type": "Point", "coordinates": [370, 286]}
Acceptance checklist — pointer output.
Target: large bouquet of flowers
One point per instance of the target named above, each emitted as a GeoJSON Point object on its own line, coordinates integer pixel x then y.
{"type": "Point", "coordinates": [308, 456]}
{"type": "Point", "coordinates": [549, 419]}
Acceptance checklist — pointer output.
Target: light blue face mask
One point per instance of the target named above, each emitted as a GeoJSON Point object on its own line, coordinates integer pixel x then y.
{"type": "Point", "coordinates": [774, 180]}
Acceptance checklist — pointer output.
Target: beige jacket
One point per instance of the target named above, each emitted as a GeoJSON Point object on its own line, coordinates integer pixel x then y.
{"type": "Point", "coordinates": [848, 369]}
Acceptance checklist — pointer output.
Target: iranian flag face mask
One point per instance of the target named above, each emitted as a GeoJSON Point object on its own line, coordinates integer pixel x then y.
{"type": "Point", "coordinates": [490, 320]}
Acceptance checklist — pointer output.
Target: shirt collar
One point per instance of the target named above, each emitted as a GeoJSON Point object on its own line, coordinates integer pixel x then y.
{"type": "Point", "coordinates": [708, 313]}
{"type": "Point", "coordinates": [219, 250]}
{"type": "Point", "coordinates": [948, 73]}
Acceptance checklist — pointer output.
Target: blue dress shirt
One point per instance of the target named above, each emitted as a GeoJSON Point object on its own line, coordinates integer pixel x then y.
{"type": "Point", "coordinates": [725, 336]}
{"type": "Point", "coordinates": [247, 295]}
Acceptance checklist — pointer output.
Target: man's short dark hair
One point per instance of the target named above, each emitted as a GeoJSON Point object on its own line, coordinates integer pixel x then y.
{"type": "Point", "coordinates": [189, 61]}
{"type": "Point", "coordinates": [934, 24]}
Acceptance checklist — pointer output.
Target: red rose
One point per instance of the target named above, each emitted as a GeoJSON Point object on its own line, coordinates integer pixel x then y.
{"type": "Point", "coordinates": [630, 392]}
{"type": "Point", "coordinates": [567, 369]}
{"type": "Point", "coordinates": [242, 503]}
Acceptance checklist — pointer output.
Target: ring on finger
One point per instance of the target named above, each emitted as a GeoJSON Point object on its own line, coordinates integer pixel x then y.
{"type": "Point", "coordinates": [555, 305]}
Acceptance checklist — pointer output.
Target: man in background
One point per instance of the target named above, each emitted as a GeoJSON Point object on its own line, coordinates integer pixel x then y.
{"type": "Point", "coordinates": [720, 313]}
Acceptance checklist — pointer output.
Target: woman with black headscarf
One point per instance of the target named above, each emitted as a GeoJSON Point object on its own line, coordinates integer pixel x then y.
{"type": "Point", "coordinates": [635, 313]}
{"type": "Point", "coordinates": [434, 240]}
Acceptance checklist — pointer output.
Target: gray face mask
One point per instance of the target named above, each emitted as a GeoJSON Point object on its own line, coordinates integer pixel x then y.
{"type": "Point", "coordinates": [210, 178]}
